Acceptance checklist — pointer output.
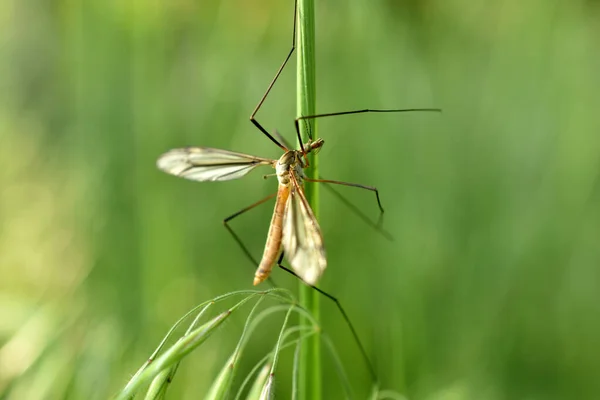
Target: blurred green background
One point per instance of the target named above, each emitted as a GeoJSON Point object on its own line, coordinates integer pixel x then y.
{"type": "Point", "coordinates": [491, 287]}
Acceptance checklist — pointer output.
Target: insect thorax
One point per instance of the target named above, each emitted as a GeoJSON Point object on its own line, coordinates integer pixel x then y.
{"type": "Point", "coordinates": [291, 161]}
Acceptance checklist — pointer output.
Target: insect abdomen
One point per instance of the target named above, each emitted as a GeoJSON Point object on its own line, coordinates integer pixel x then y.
{"type": "Point", "coordinates": [274, 237]}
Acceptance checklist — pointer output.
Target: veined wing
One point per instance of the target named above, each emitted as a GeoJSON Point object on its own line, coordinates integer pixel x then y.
{"type": "Point", "coordinates": [208, 164]}
{"type": "Point", "coordinates": [302, 239]}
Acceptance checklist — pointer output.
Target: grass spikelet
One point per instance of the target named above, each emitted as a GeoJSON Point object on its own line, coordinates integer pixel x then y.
{"type": "Point", "coordinates": [178, 351]}
{"type": "Point", "coordinates": [222, 382]}
{"type": "Point", "coordinates": [267, 391]}
{"type": "Point", "coordinates": [169, 359]}
{"type": "Point", "coordinates": [159, 384]}
{"type": "Point", "coordinates": [162, 365]}
{"type": "Point", "coordinates": [259, 383]}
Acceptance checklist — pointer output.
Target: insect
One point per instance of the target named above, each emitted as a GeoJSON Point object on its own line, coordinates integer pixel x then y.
{"type": "Point", "coordinates": [293, 225]}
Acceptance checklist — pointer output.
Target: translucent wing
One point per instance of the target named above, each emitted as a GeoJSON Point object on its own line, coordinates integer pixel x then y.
{"type": "Point", "coordinates": [207, 164]}
{"type": "Point", "coordinates": [302, 239]}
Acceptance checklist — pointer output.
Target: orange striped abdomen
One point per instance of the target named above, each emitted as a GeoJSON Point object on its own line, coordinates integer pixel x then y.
{"type": "Point", "coordinates": [273, 244]}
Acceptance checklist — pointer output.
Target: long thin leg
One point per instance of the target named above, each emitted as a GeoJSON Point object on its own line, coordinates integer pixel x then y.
{"type": "Point", "coordinates": [375, 225]}
{"type": "Point", "coordinates": [250, 207]}
{"type": "Point", "coordinates": [236, 237]}
{"type": "Point", "coordinates": [371, 188]}
{"type": "Point", "coordinates": [366, 110]}
{"type": "Point", "coordinates": [346, 318]}
{"type": "Point", "coordinates": [264, 97]}
{"type": "Point", "coordinates": [272, 282]}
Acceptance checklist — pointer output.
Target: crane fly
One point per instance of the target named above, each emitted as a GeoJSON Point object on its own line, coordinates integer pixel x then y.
{"type": "Point", "coordinates": [293, 228]}
{"type": "Point", "coordinates": [293, 225]}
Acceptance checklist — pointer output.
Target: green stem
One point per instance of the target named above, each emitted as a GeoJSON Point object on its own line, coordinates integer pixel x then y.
{"type": "Point", "coordinates": [310, 354]}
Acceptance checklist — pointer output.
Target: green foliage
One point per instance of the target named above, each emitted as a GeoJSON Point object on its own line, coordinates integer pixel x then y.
{"type": "Point", "coordinates": [490, 288]}
{"type": "Point", "coordinates": [310, 378]}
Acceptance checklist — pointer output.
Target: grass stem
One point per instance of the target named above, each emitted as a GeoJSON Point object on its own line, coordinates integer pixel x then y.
{"type": "Point", "coordinates": [310, 354]}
